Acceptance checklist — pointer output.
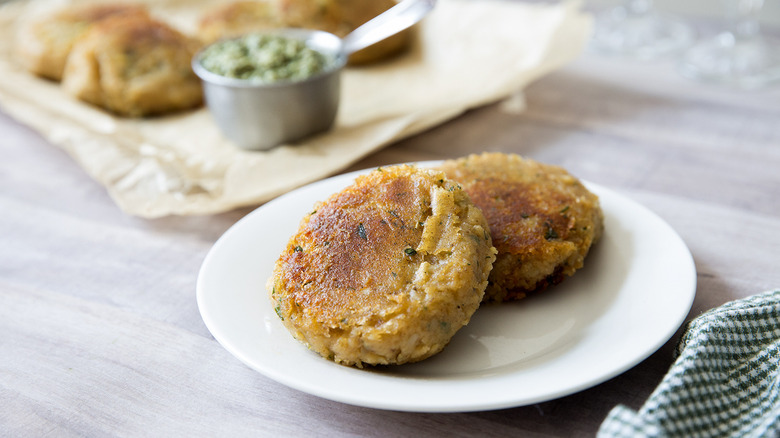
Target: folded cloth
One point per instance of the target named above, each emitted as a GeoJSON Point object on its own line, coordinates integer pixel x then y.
{"type": "Point", "coordinates": [725, 381]}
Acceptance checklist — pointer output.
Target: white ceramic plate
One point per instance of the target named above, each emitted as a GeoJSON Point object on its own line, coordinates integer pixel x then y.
{"type": "Point", "coordinates": [636, 289]}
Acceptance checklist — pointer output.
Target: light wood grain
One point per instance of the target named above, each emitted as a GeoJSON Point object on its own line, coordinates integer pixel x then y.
{"type": "Point", "coordinates": [102, 335]}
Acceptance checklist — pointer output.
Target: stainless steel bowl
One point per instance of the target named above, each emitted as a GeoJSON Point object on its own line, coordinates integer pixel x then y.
{"type": "Point", "coordinates": [259, 116]}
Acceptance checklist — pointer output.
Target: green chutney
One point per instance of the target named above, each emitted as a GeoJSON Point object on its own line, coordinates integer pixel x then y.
{"type": "Point", "coordinates": [263, 58]}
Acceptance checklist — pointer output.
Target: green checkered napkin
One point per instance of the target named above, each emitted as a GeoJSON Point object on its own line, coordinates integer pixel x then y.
{"type": "Point", "coordinates": [725, 381]}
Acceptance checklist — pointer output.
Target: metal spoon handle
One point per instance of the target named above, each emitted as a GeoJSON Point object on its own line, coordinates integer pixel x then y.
{"type": "Point", "coordinates": [399, 17]}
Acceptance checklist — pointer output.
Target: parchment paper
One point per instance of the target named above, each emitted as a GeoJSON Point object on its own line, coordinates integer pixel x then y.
{"type": "Point", "coordinates": [467, 53]}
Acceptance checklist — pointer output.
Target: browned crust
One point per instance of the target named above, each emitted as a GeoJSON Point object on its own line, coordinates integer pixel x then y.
{"type": "Point", "coordinates": [237, 18]}
{"type": "Point", "coordinates": [134, 66]}
{"type": "Point", "coordinates": [542, 219]}
{"type": "Point", "coordinates": [44, 45]}
{"type": "Point", "coordinates": [355, 244]}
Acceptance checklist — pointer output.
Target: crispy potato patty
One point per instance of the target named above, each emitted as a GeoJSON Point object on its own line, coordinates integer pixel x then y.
{"type": "Point", "coordinates": [44, 45]}
{"type": "Point", "coordinates": [233, 19]}
{"type": "Point", "coordinates": [134, 66]}
{"type": "Point", "coordinates": [385, 271]}
{"type": "Point", "coordinates": [542, 219]}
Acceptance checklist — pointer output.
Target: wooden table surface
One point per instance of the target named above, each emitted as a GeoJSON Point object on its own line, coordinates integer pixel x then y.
{"type": "Point", "coordinates": [101, 334]}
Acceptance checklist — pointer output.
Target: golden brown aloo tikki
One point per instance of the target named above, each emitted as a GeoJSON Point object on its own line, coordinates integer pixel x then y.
{"type": "Point", "coordinates": [339, 17]}
{"type": "Point", "coordinates": [238, 18]}
{"type": "Point", "coordinates": [542, 219]}
{"type": "Point", "coordinates": [385, 271]}
{"type": "Point", "coordinates": [134, 66]}
{"type": "Point", "coordinates": [44, 45]}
